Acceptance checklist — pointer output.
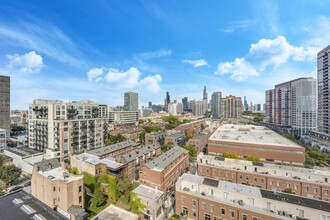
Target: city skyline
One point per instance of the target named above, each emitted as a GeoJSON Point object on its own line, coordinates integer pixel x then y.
{"type": "Point", "coordinates": [50, 55]}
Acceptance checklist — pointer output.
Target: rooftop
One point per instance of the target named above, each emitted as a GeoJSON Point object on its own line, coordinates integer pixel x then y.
{"type": "Point", "coordinates": [115, 213]}
{"type": "Point", "coordinates": [23, 151]}
{"type": "Point", "coordinates": [254, 192]}
{"type": "Point", "coordinates": [128, 157]}
{"type": "Point", "coordinates": [92, 159]}
{"type": "Point", "coordinates": [148, 192]}
{"type": "Point", "coordinates": [59, 174]}
{"type": "Point", "coordinates": [200, 136]}
{"type": "Point", "coordinates": [165, 159]}
{"type": "Point", "coordinates": [251, 134]}
{"type": "Point", "coordinates": [20, 205]}
{"type": "Point", "coordinates": [112, 148]}
{"type": "Point", "coordinates": [176, 135]}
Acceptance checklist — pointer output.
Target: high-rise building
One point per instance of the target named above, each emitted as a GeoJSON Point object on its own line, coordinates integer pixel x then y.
{"type": "Point", "coordinates": [185, 103]}
{"type": "Point", "coordinates": [175, 108]}
{"type": "Point", "coordinates": [199, 107]}
{"type": "Point", "coordinates": [61, 128]}
{"type": "Point", "coordinates": [246, 105]}
{"type": "Point", "coordinates": [149, 104]}
{"type": "Point", "coordinates": [291, 106]}
{"type": "Point", "coordinates": [167, 99]}
{"type": "Point", "coordinates": [5, 104]}
{"type": "Point", "coordinates": [323, 80]}
{"type": "Point", "coordinates": [231, 107]}
{"type": "Point", "coordinates": [204, 93]}
{"type": "Point", "coordinates": [131, 101]}
{"type": "Point", "coordinates": [216, 105]}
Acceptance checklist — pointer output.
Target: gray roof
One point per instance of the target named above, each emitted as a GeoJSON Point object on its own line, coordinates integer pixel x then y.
{"type": "Point", "coordinates": [177, 135]}
{"type": "Point", "coordinates": [200, 136]}
{"type": "Point", "coordinates": [13, 206]}
{"type": "Point", "coordinates": [92, 159]}
{"type": "Point", "coordinates": [148, 192]}
{"type": "Point", "coordinates": [23, 151]}
{"type": "Point", "coordinates": [128, 157]}
{"type": "Point", "coordinates": [157, 134]}
{"type": "Point", "coordinates": [165, 159]}
{"type": "Point", "coordinates": [112, 148]}
{"type": "Point", "coordinates": [46, 165]}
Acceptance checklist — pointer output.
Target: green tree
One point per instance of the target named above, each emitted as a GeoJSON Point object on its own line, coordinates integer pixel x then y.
{"type": "Point", "coordinates": [10, 173]}
{"type": "Point", "coordinates": [98, 198]}
{"type": "Point", "coordinates": [192, 151]}
{"type": "Point", "coordinates": [1, 160]}
{"type": "Point", "coordinates": [165, 147]}
{"type": "Point", "coordinates": [74, 170]}
{"type": "Point", "coordinates": [90, 181]}
{"type": "Point", "coordinates": [113, 139]}
{"type": "Point", "coordinates": [252, 158]}
{"type": "Point", "coordinates": [288, 190]}
{"type": "Point", "coordinates": [136, 205]}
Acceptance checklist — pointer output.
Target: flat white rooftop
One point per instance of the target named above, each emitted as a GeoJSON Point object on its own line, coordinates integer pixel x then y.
{"type": "Point", "coordinates": [92, 159]}
{"type": "Point", "coordinates": [59, 174]}
{"type": "Point", "coordinates": [250, 134]}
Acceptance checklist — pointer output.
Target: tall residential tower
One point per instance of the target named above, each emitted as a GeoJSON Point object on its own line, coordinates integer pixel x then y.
{"type": "Point", "coordinates": [5, 104]}
{"type": "Point", "coordinates": [131, 101]}
{"type": "Point", "coordinates": [216, 105]}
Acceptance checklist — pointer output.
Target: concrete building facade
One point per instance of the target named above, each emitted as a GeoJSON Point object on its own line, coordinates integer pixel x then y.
{"type": "Point", "coordinates": [119, 118]}
{"type": "Point", "coordinates": [62, 128]}
{"type": "Point", "coordinates": [5, 104]}
{"type": "Point", "coordinates": [162, 172]}
{"type": "Point", "coordinates": [231, 107]}
{"type": "Point", "coordinates": [323, 81]}
{"type": "Point", "coordinates": [216, 99]}
{"type": "Point", "coordinates": [131, 101]}
{"type": "Point", "coordinates": [3, 140]}
{"type": "Point", "coordinates": [57, 188]}
{"type": "Point", "coordinates": [175, 108]}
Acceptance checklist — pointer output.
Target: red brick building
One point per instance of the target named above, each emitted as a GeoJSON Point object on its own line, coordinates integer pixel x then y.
{"type": "Point", "coordinates": [115, 150]}
{"type": "Point", "coordinates": [162, 172]}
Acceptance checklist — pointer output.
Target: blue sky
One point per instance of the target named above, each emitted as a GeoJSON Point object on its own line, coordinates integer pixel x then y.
{"type": "Point", "coordinates": [97, 50]}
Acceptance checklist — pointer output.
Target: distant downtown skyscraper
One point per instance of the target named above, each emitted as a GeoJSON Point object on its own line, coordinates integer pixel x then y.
{"type": "Point", "coordinates": [204, 93]}
{"type": "Point", "coordinates": [185, 103]}
{"type": "Point", "coordinates": [5, 103]}
{"type": "Point", "coordinates": [131, 101]}
{"type": "Point", "coordinates": [323, 79]}
{"type": "Point", "coordinates": [216, 99]}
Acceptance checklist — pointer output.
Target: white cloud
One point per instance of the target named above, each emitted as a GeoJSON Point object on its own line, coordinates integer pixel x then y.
{"type": "Point", "coordinates": [27, 63]}
{"type": "Point", "coordinates": [152, 83]}
{"type": "Point", "coordinates": [196, 63]}
{"type": "Point", "coordinates": [125, 79]}
{"type": "Point", "coordinates": [95, 73]}
{"type": "Point", "coordinates": [239, 25]}
{"type": "Point", "coordinates": [266, 53]}
{"type": "Point", "coordinates": [153, 54]}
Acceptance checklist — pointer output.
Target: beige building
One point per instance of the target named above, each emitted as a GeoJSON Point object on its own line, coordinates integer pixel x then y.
{"type": "Point", "coordinates": [153, 200]}
{"type": "Point", "coordinates": [231, 107]}
{"type": "Point", "coordinates": [300, 181]}
{"type": "Point", "coordinates": [61, 128]}
{"type": "Point", "coordinates": [58, 189]}
{"type": "Point", "coordinates": [120, 118]}
{"type": "Point", "coordinates": [258, 141]}
{"type": "Point", "coordinates": [162, 172]}
{"type": "Point", "coordinates": [204, 198]}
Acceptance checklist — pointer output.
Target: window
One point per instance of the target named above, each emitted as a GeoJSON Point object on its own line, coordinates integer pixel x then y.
{"type": "Point", "coordinates": [194, 213]}
{"type": "Point", "coordinates": [80, 199]}
{"type": "Point", "coordinates": [194, 202]}
{"type": "Point", "coordinates": [315, 190]}
{"type": "Point", "coordinates": [262, 180]}
{"type": "Point", "coordinates": [54, 188]}
{"type": "Point", "coordinates": [183, 199]}
{"type": "Point", "coordinates": [247, 177]}
{"type": "Point", "coordinates": [240, 176]}
{"type": "Point", "coordinates": [223, 211]}
{"type": "Point", "coordinates": [232, 214]}
{"type": "Point", "coordinates": [207, 217]}
{"type": "Point", "coordinates": [211, 208]}
{"type": "Point", "coordinates": [254, 218]}
{"type": "Point", "coordinates": [307, 188]}
{"type": "Point", "coordinates": [203, 205]}
{"type": "Point", "coordinates": [80, 188]}
{"type": "Point", "coordinates": [301, 213]}
{"type": "Point", "coordinates": [225, 195]}
{"type": "Point", "coordinates": [271, 182]}
{"type": "Point", "coordinates": [244, 217]}
{"type": "Point", "coordinates": [255, 179]}
{"type": "Point", "coordinates": [277, 183]}
{"type": "Point", "coordinates": [295, 187]}
{"type": "Point", "coordinates": [212, 192]}
{"type": "Point", "coordinates": [185, 211]}
{"type": "Point", "coordinates": [326, 192]}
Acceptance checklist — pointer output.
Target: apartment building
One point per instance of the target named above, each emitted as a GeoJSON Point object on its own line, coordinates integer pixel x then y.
{"type": "Point", "coordinates": [231, 107]}
{"type": "Point", "coordinates": [134, 160]}
{"type": "Point", "coordinates": [153, 200]}
{"type": "Point", "coordinates": [3, 140]}
{"type": "Point", "coordinates": [300, 181]}
{"type": "Point", "coordinates": [176, 138]}
{"type": "Point", "coordinates": [204, 198]}
{"type": "Point", "coordinates": [216, 100]}
{"type": "Point", "coordinates": [199, 107]}
{"type": "Point", "coordinates": [292, 106]}
{"type": "Point", "coordinates": [155, 137]}
{"type": "Point", "coordinates": [61, 128]}
{"type": "Point", "coordinates": [115, 150]}
{"type": "Point", "coordinates": [58, 189]}
{"type": "Point", "coordinates": [199, 142]}
{"type": "Point", "coordinates": [192, 128]}
{"type": "Point", "coordinates": [175, 108]}
{"type": "Point", "coordinates": [162, 172]}
{"type": "Point", "coordinates": [323, 80]}
{"type": "Point", "coordinates": [123, 118]}
{"type": "Point", "coordinates": [258, 141]}
{"type": "Point", "coordinates": [131, 101]}
{"type": "Point", "coordinates": [96, 166]}
{"type": "Point", "coordinates": [5, 104]}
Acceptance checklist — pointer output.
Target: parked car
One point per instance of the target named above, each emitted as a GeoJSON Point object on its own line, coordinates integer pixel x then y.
{"type": "Point", "coordinates": [28, 183]}
{"type": "Point", "coordinates": [15, 188]}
